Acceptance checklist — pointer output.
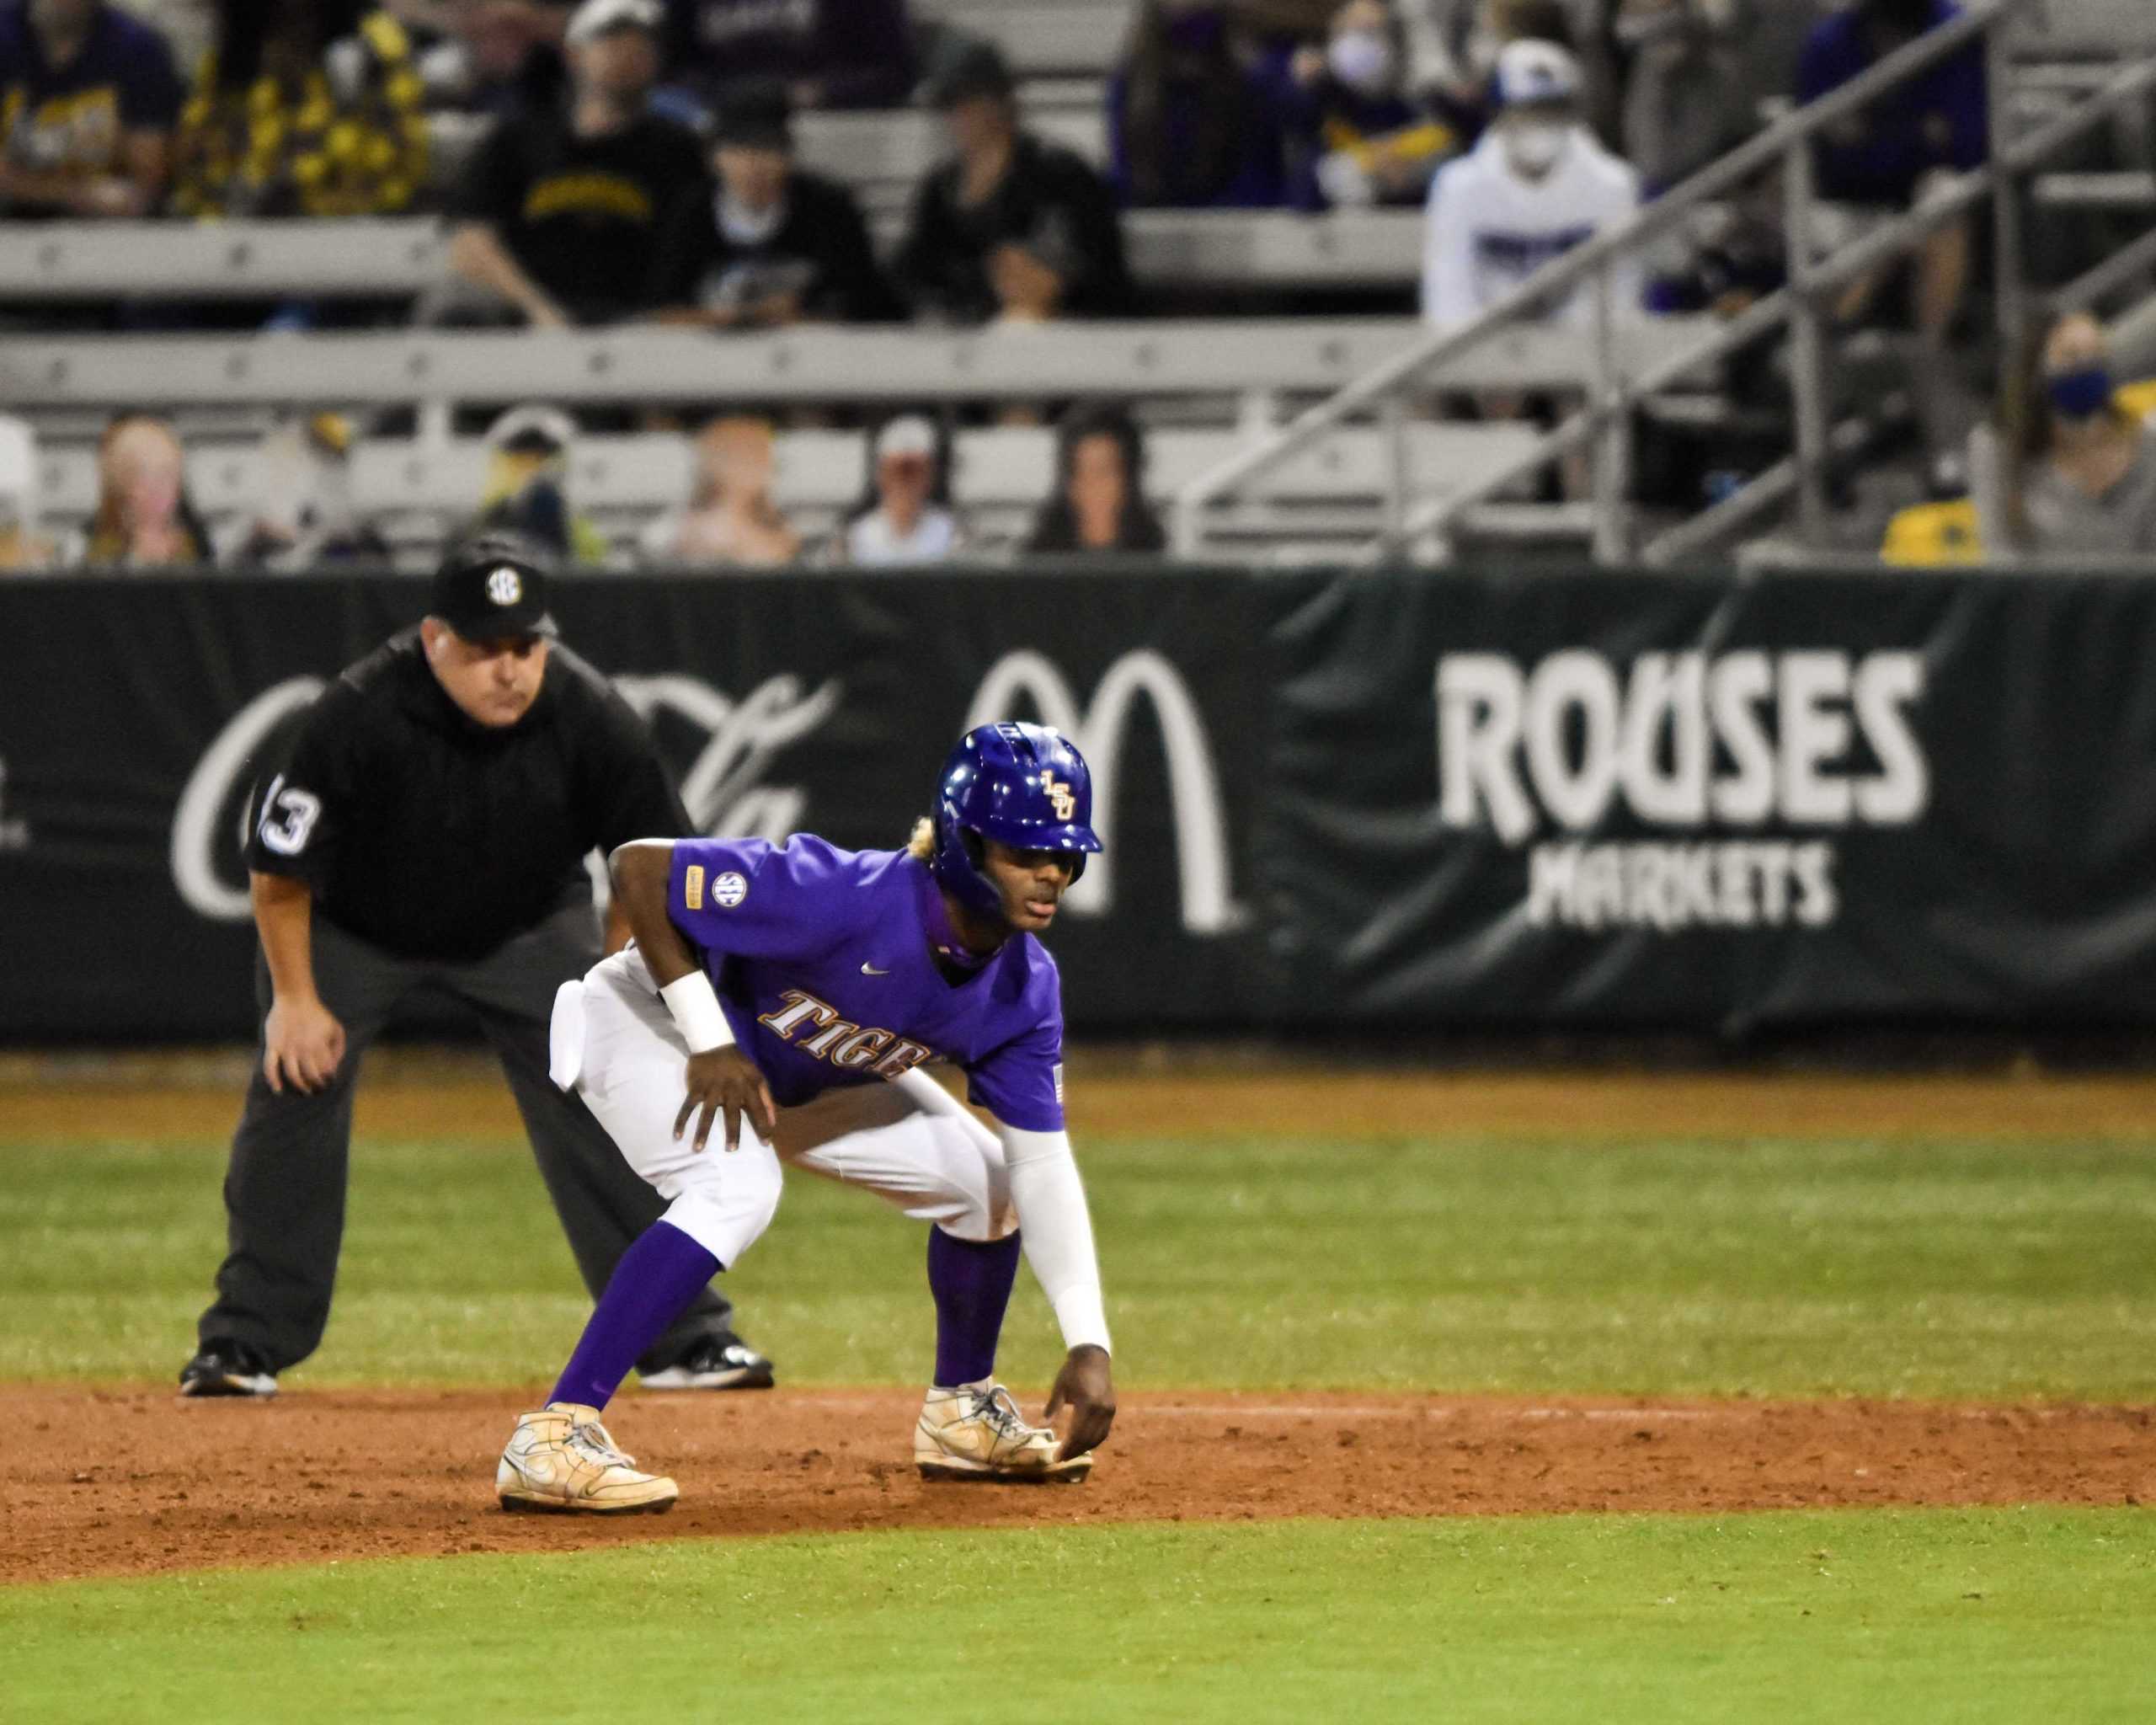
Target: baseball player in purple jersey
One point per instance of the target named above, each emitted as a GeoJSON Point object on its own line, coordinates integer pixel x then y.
{"type": "Point", "coordinates": [770, 988]}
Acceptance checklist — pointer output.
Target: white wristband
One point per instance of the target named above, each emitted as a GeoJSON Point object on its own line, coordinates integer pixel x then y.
{"type": "Point", "coordinates": [694, 1007]}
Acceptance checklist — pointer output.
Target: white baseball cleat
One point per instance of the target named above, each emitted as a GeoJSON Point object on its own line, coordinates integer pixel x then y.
{"type": "Point", "coordinates": [561, 1461]}
{"type": "Point", "coordinates": [980, 1434]}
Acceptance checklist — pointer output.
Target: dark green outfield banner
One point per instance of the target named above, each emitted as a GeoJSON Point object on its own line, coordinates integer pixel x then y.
{"type": "Point", "coordinates": [1398, 801]}
{"type": "Point", "coordinates": [1659, 801]}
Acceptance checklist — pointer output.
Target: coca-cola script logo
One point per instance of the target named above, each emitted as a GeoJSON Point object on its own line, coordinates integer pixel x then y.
{"type": "Point", "coordinates": [723, 788]}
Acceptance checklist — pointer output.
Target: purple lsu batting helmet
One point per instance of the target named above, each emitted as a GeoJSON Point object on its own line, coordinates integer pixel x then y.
{"type": "Point", "coordinates": [1023, 786]}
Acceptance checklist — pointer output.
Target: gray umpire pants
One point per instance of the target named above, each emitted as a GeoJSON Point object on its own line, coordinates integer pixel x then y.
{"type": "Point", "coordinates": [285, 1189]}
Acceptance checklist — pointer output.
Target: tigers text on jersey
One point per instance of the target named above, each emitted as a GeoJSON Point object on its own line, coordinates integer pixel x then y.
{"type": "Point", "coordinates": [824, 964]}
{"type": "Point", "coordinates": [1490, 228]}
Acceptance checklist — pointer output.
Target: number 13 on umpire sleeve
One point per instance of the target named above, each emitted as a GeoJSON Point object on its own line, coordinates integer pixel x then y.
{"type": "Point", "coordinates": [300, 810]}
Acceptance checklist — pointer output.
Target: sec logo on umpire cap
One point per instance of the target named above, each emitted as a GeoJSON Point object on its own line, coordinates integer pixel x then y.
{"type": "Point", "coordinates": [505, 587]}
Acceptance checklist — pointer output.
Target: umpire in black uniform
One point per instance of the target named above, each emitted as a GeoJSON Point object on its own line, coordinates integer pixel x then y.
{"type": "Point", "coordinates": [431, 827]}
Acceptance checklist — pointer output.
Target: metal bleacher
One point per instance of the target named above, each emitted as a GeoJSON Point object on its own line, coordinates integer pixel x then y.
{"type": "Point", "coordinates": [418, 491]}
{"type": "Point", "coordinates": [1210, 387]}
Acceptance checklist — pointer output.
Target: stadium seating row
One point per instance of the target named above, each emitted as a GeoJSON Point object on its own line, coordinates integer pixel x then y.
{"type": "Point", "coordinates": [1002, 363]}
{"type": "Point", "coordinates": [1266, 248]}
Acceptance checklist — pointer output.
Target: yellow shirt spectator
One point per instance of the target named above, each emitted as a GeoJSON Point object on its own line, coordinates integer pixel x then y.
{"type": "Point", "coordinates": [337, 133]}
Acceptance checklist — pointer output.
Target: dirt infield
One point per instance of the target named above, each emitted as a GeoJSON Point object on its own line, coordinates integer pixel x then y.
{"type": "Point", "coordinates": [121, 1483]}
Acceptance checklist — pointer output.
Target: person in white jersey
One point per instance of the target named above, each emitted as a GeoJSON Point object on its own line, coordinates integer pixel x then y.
{"type": "Point", "coordinates": [1538, 184]}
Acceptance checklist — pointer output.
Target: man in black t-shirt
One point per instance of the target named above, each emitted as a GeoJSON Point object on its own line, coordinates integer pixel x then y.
{"type": "Point", "coordinates": [1011, 226]}
{"type": "Point", "coordinates": [774, 243]}
{"type": "Point", "coordinates": [430, 827]}
{"type": "Point", "coordinates": [562, 209]}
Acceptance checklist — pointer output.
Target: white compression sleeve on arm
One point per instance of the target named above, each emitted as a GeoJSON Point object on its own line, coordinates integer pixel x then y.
{"type": "Point", "coordinates": [694, 1004]}
{"type": "Point", "coordinates": [1050, 1200]}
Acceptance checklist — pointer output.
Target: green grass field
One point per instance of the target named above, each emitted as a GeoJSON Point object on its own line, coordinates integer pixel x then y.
{"type": "Point", "coordinates": [1766, 1267]}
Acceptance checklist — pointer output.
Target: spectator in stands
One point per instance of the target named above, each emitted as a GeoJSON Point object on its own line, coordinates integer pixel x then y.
{"type": "Point", "coordinates": [529, 453]}
{"type": "Point", "coordinates": [565, 207]}
{"type": "Point", "coordinates": [828, 53]}
{"type": "Point", "coordinates": [1536, 186]}
{"type": "Point", "coordinates": [88, 100]}
{"type": "Point", "coordinates": [732, 519]}
{"type": "Point", "coordinates": [1011, 226]}
{"type": "Point", "coordinates": [23, 549]}
{"type": "Point", "coordinates": [302, 108]}
{"type": "Point", "coordinates": [907, 519]}
{"type": "Point", "coordinates": [774, 243]}
{"type": "Point", "coordinates": [1099, 505]}
{"type": "Point", "coordinates": [2089, 482]}
{"type": "Point", "coordinates": [1362, 141]}
{"type": "Point", "coordinates": [144, 520]}
{"type": "Point", "coordinates": [1887, 157]}
{"type": "Point", "coordinates": [1197, 118]}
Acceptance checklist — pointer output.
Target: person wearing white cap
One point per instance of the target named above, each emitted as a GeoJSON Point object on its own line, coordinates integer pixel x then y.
{"type": "Point", "coordinates": [908, 522]}
{"type": "Point", "coordinates": [1538, 184]}
{"type": "Point", "coordinates": [562, 209]}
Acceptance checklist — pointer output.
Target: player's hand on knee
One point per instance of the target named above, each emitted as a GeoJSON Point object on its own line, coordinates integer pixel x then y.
{"type": "Point", "coordinates": [302, 1045]}
{"type": "Point", "coordinates": [1086, 1386]}
{"type": "Point", "coordinates": [725, 1081]}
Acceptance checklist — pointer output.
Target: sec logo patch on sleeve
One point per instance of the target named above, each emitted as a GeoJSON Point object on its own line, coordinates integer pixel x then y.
{"type": "Point", "coordinates": [728, 890]}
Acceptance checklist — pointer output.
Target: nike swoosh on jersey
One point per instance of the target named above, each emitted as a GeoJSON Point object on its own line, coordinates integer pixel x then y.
{"type": "Point", "coordinates": [871, 970]}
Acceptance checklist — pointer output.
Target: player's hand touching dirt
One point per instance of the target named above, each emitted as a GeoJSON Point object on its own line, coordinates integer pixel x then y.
{"type": "Point", "coordinates": [302, 1045]}
{"type": "Point", "coordinates": [1085, 1387]}
{"type": "Point", "coordinates": [724, 1080]}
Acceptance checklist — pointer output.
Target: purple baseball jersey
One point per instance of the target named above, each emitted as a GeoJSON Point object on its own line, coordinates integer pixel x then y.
{"type": "Point", "coordinates": [825, 966]}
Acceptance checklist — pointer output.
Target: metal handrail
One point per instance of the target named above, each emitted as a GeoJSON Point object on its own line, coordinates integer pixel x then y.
{"type": "Point", "coordinates": [1563, 273]}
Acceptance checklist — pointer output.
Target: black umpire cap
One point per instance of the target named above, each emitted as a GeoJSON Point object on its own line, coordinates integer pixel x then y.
{"type": "Point", "coordinates": [491, 588]}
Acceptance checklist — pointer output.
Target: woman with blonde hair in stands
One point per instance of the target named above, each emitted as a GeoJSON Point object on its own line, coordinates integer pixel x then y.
{"type": "Point", "coordinates": [144, 520]}
{"type": "Point", "coordinates": [731, 518]}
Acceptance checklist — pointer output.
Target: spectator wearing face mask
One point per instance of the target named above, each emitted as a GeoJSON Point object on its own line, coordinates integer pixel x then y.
{"type": "Point", "coordinates": [1363, 142]}
{"type": "Point", "coordinates": [1195, 121]}
{"type": "Point", "coordinates": [773, 244]}
{"type": "Point", "coordinates": [2089, 482]}
{"type": "Point", "coordinates": [1535, 187]}
{"type": "Point", "coordinates": [907, 520]}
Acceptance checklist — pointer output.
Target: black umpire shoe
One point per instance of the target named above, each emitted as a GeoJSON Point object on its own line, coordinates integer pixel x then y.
{"type": "Point", "coordinates": [723, 1362]}
{"type": "Point", "coordinates": [223, 1367]}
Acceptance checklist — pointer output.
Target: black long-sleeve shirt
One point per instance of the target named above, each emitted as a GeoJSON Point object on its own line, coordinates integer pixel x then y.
{"type": "Point", "coordinates": [1050, 204]}
{"type": "Point", "coordinates": [820, 252]}
{"type": "Point", "coordinates": [434, 836]}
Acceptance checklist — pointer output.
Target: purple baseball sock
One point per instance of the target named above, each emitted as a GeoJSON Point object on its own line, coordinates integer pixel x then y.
{"type": "Point", "coordinates": [651, 1286]}
{"type": "Point", "coordinates": [971, 1280]}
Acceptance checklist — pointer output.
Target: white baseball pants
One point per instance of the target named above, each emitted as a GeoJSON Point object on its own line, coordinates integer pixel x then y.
{"type": "Point", "coordinates": [614, 1043]}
